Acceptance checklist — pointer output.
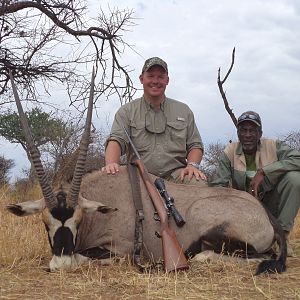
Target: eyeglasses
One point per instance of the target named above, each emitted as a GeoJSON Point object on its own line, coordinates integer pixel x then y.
{"type": "Point", "coordinates": [160, 123]}
{"type": "Point", "coordinates": [249, 117]}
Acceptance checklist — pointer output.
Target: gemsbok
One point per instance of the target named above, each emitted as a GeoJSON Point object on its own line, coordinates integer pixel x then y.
{"type": "Point", "coordinates": [79, 225]}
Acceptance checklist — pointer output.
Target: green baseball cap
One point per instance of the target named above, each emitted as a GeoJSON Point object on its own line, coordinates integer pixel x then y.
{"type": "Point", "coordinates": [153, 61]}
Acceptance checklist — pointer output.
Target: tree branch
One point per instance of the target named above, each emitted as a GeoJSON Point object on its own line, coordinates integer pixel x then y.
{"type": "Point", "coordinates": [223, 94]}
{"type": "Point", "coordinates": [31, 48]}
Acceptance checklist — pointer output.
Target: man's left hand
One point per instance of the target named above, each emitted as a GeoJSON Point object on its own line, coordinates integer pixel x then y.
{"type": "Point", "coordinates": [191, 171]}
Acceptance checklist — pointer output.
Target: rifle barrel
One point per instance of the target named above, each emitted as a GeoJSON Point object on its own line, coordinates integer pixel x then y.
{"type": "Point", "coordinates": [173, 255]}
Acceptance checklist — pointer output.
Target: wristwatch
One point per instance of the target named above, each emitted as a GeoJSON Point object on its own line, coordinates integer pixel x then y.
{"type": "Point", "coordinates": [194, 164]}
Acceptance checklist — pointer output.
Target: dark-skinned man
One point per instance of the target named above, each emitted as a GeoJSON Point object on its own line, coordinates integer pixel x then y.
{"type": "Point", "coordinates": [267, 168]}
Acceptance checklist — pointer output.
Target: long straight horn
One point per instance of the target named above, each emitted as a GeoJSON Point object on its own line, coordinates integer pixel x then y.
{"type": "Point", "coordinates": [83, 148]}
{"type": "Point", "coordinates": [33, 151]}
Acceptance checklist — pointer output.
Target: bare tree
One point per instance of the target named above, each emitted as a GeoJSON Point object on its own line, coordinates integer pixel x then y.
{"type": "Point", "coordinates": [222, 92]}
{"type": "Point", "coordinates": [211, 159]}
{"type": "Point", "coordinates": [47, 41]}
{"type": "Point", "coordinates": [293, 139]}
{"type": "Point", "coordinates": [60, 155]}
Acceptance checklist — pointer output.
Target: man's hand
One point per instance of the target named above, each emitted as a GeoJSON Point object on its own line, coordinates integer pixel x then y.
{"type": "Point", "coordinates": [112, 158]}
{"type": "Point", "coordinates": [191, 171]}
{"type": "Point", "coordinates": [111, 169]}
{"type": "Point", "coordinates": [256, 182]}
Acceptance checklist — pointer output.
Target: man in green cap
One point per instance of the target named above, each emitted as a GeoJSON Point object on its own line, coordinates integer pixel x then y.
{"type": "Point", "coordinates": [268, 169]}
{"type": "Point", "coordinates": [162, 129]}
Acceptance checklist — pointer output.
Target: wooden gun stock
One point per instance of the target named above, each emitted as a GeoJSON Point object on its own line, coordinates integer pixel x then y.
{"type": "Point", "coordinates": [174, 258]}
{"type": "Point", "coordinates": [173, 255]}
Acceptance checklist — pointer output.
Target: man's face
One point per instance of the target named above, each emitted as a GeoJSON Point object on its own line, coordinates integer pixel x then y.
{"type": "Point", "coordinates": [249, 135]}
{"type": "Point", "coordinates": [154, 81]}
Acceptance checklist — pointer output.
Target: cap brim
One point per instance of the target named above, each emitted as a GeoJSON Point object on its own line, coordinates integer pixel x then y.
{"type": "Point", "coordinates": [146, 69]}
{"type": "Point", "coordinates": [250, 120]}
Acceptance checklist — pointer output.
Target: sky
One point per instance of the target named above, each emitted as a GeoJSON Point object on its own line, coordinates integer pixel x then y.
{"type": "Point", "coordinates": [195, 38]}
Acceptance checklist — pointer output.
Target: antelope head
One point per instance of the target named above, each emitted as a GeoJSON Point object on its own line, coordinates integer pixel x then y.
{"type": "Point", "coordinates": [62, 209]}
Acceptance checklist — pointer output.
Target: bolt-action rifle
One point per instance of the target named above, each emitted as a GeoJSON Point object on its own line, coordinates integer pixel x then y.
{"type": "Point", "coordinates": [160, 185]}
{"type": "Point", "coordinates": [173, 255]}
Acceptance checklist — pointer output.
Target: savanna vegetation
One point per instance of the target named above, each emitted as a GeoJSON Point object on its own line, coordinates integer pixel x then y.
{"type": "Point", "coordinates": [25, 254]}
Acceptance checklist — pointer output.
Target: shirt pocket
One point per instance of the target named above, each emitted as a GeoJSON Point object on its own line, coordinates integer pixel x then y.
{"type": "Point", "coordinates": [176, 133]}
{"type": "Point", "coordinates": [139, 136]}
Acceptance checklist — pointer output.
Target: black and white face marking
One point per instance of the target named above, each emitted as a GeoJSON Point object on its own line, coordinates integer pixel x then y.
{"type": "Point", "coordinates": [62, 225]}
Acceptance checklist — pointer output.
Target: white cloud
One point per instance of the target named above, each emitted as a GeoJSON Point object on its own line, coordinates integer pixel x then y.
{"type": "Point", "coordinates": [196, 37]}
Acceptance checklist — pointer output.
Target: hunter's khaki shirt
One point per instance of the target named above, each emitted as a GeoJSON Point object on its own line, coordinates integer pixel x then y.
{"type": "Point", "coordinates": [163, 138]}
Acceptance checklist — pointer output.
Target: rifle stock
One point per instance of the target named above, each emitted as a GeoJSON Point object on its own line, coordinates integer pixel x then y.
{"type": "Point", "coordinates": [173, 255]}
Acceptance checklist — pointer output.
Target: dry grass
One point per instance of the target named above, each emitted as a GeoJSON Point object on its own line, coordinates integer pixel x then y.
{"type": "Point", "coordinates": [25, 255]}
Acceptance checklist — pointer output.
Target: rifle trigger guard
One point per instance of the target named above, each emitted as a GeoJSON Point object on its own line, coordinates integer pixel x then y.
{"type": "Point", "coordinates": [157, 234]}
{"type": "Point", "coordinates": [156, 216]}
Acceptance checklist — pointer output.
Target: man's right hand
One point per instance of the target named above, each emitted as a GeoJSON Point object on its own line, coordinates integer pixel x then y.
{"type": "Point", "coordinates": [111, 168]}
{"type": "Point", "coordinates": [256, 182]}
{"type": "Point", "coordinates": [112, 157]}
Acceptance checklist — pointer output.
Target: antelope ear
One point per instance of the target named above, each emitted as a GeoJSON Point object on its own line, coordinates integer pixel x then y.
{"type": "Point", "coordinates": [26, 208]}
{"type": "Point", "coordinates": [89, 206]}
